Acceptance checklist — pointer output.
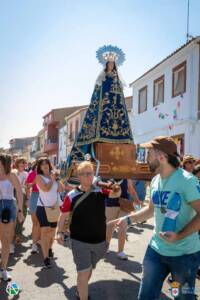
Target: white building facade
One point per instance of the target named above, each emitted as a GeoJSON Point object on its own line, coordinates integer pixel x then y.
{"type": "Point", "coordinates": [166, 100]}
{"type": "Point", "coordinates": [62, 147]}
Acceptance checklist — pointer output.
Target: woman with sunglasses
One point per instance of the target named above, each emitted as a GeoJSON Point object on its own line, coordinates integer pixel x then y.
{"type": "Point", "coordinates": [188, 163]}
{"type": "Point", "coordinates": [9, 209]}
{"type": "Point", "coordinates": [49, 189]}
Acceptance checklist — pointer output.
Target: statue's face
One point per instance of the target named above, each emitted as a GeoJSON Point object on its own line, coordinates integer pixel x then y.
{"type": "Point", "coordinates": [110, 65]}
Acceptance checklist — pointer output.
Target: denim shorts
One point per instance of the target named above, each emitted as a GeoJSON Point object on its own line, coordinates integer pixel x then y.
{"type": "Point", "coordinates": [11, 205]}
{"type": "Point", "coordinates": [33, 202]}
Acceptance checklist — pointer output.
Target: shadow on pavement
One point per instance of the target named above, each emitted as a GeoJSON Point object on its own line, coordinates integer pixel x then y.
{"type": "Point", "coordinates": [19, 252]}
{"type": "Point", "coordinates": [127, 266]}
{"type": "Point", "coordinates": [109, 290]}
{"type": "Point", "coordinates": [100, 290]}
{"type": "Point", "coordinates": [27, 238]}
{"type": "Point", "coordinates": [36, 260]}
{"type": "Point", "coordinates": [135, 230]}
{"type": "Point", "coordinates": [139, 228]}
{"type": "Point", "coordinates": [145, 226]}
{"type": "Point", "coordinates": [48, 277]}
{"type": "Point", "coordinates": [132, 268]}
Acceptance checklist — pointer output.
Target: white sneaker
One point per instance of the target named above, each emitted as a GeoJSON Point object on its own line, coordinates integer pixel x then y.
{"type": "Point", "coordinates": [5, 275]}
{"type": "Point", "coordinates": [122, 255]}
{"type": "Point", "coordinates": [12, 248]}
{"type": "Point", "coordinates": [34, 249]}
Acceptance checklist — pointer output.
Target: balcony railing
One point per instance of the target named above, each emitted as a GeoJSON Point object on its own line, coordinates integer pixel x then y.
{"type": "Point", "coordinates": [51, 144]}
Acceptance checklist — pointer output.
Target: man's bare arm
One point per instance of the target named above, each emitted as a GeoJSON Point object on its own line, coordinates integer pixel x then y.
{"type": "Point", "coordinates": [61, 221]}
{"type": "Point", "coordinates": [144, 214]}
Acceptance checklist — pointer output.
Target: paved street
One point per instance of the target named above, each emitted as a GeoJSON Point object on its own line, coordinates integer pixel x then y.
{"type": "Point", "coordinates": [112, 280]}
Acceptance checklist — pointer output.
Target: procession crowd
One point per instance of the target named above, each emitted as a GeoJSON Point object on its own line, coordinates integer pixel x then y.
{"type": "Point", "coordinates": [89, 213]}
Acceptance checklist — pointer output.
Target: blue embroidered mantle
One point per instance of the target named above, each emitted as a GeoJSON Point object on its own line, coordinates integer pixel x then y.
{"type": "Point", "coordinates": [106, 119]}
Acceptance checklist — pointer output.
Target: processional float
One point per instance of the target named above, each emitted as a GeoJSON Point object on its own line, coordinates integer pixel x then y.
{"type": "Point", "coordinates": [105, 135]}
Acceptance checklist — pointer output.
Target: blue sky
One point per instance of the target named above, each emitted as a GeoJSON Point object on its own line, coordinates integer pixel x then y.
{"type": "Point", "coordinates": [47, 50]}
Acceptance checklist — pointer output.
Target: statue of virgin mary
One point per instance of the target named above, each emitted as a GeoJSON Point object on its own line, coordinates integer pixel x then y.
{"type": "Point", "coordinates": [106, 119]}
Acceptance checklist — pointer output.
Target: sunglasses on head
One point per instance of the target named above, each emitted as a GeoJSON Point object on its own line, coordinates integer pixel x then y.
{"type": "Point", "coordinates": [190, 162]}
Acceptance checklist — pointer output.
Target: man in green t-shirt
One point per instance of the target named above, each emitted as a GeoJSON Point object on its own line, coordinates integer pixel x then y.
{"type": "Point", "coordinates": [175, 204]}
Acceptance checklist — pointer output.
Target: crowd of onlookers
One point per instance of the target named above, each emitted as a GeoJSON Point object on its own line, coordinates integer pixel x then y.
{"type": "Point", "coordinates": [36, 188]}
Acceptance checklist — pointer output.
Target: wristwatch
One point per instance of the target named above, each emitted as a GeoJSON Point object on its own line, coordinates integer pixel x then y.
{"type": "Point", "coordinates": [19, 210]}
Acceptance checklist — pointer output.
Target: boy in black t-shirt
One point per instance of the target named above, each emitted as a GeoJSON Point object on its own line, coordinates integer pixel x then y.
{"type": "Point", "coordinates": [88, 225]}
